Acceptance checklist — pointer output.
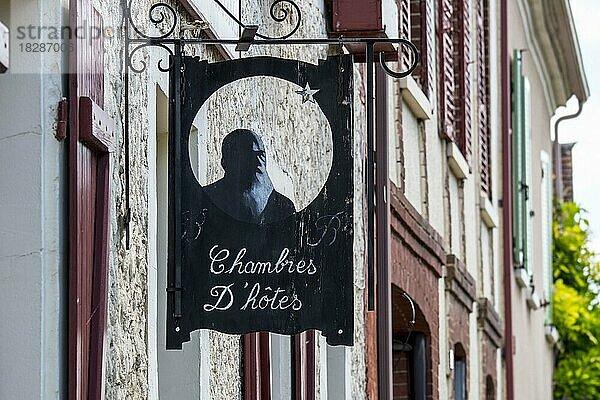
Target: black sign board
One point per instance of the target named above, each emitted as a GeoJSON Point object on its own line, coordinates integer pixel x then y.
{"type": "Point", "coordinates": [242, 258]}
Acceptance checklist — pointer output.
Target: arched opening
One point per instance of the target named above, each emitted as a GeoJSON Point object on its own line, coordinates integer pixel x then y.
{"type": "Point", "coordinates": [490, 388]}
{"type": "Point", "coordinates": [460, 372]}
{"type": "Point", "coordinates": [410, 349]}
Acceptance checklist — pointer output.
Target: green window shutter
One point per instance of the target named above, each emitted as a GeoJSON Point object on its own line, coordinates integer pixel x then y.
{"type": "Point", "coordinates": [526, 184]}
{"type": "Point", "coordinates": [517, 157]}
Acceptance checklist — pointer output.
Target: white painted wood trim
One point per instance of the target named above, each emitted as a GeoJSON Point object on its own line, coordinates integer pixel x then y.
{"type": "Point", "coordinates": [489, 215]}
{"type": "Point", "coordinates": [551, 334]}
{"type": "Point", "coordinates": [458, 165]}
{"type": "Point", "coordinates": [533, 300]}
{"type": "Point", "coordinates": [415, 99]}
{"type": "Point", "coordinates": [522, 277]}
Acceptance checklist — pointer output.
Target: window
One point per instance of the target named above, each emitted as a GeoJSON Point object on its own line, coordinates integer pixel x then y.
{"type": "Point", "coordinates": [410, 368]}
{"type": "Point", "coordinates": [455, 79]}
{"type": "Point", "coordinates": [460, 373]}
{"type": "Point", "coordinates": [181, 374]}
{"type": "Point", "coordinates": [483, 96]}
{"type": "Point", "coordinates": [419, 367]}
{"type": "Point", "coordinates": [279, 367]}
{"type": "Point", "coordinates": [411, 349]}
{"type": "Point", "coordinates": [490, 391]}
{"type": "Point", "coordinates": [416, 24]}
{"type": "Point", "coordinates": [521, 165]}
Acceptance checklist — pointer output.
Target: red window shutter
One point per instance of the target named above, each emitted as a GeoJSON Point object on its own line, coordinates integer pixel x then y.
{"type": "Point", "coordinates": [483, 96]}
{"type": "Point", "coordinates": [405, 30]}
{"type": "Point", "coordinates": [304, 345]}
{"type": "Point", "coordinates": [257, 366]}
{"type": "Point", "coordinates": [421, 34]}
{"type": "Point", "coordinates": [91, 139]}
{"type": "Point", "coordinates": [462, 78]}
{"type": "Point", "coordinates": [447, 109]}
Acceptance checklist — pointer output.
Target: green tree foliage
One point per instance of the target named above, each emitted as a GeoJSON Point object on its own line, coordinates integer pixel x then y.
{"type": "Point", "coordinates": [577, 375]}
{"type": "Point", "coordinates": [573, 261]}
{"type": "Point", "coordinates": [576, 311]}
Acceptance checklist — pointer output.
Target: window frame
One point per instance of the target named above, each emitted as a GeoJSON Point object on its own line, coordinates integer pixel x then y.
{"type": "Point", "coordinates": [460, 365]}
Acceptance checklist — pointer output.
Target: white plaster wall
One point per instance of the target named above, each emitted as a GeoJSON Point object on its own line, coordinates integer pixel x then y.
{"type": "Point", "coordinates": [487, 276]}
{"type": "Point", "coordinates": [496, 150]}
{"type": "Point", "coordinates": [412, 158]}
{"type": "Point", "coordinates": [471, 219]}
{"type": "Point", "coordinates": [394, 114]}
{"type": "Point", "coordinates": [435, 176]}
{"type": "Point", "coordinates": [533, 358]}
{"type": "Point", "coordinates": [32, 215]}
{"type": "Point", "coordinates": [456, 215]}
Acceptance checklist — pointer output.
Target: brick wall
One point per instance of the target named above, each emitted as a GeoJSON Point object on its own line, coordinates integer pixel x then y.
{"type": "Point", "coordinates": [566, 159]}
{"type": "Point", "coordinates": [417, 258]}
{"type": "Point", "coordinates": [491, 334]}
{"type": "Point", "coordinates": [401, 376]}
{"type": "Point", "coordinates": [461, 292]}
{"type": "Point", "coordinates": [488, 362]}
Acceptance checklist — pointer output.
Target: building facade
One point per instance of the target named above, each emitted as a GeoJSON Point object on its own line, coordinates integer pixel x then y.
{"type": "Point", "coordinates": [83, 262]}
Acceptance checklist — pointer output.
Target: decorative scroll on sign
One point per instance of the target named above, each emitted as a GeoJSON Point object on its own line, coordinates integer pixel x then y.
{"type": "Point", "coordinates": [249, 250]}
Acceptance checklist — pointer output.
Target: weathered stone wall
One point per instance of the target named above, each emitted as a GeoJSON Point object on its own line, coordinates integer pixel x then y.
{"type": "Point", "coordinates": [358, 358]}
{"type": "Point", "coordinates": [126, 347]}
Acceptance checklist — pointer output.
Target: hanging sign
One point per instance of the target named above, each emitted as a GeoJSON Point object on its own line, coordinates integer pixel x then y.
{"type": "Point", "coordinates": [250, 249]}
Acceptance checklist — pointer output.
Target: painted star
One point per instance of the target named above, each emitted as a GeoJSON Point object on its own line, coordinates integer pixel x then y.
{"type": "Point", "coordinates": [307, 94]}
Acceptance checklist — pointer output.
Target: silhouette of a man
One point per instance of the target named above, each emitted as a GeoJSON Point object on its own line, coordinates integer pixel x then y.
{"type": "Point", "coordinates": [246, 192]}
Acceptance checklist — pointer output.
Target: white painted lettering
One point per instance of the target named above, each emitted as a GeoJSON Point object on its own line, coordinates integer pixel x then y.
{"type": "Point", "coordinates": [223, 293]}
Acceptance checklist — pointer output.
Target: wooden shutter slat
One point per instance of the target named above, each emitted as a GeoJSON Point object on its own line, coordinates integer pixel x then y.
{"type": "Point", "coordinates": [455, 79]}
{"type": "Point", "coordinates": [483, 116]}
{"type": "Point", "coordinates": [462, 76]}
{"type": "Point", "coordinates": [421, 34]}
{"type": "Point", "coordinates": [405, 30]}
{"type": "Point", "coordinates": [447, 97]}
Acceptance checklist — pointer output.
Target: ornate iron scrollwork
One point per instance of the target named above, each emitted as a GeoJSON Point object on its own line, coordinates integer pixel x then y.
{"type": "Point", "coordinates": [157, 14]}
{"type": "Point", "coordinates": [282, 16]}
{"type": "Point", "coordinates": [132, 64]}
{"type": "Point", "coordinates": [280, 11]}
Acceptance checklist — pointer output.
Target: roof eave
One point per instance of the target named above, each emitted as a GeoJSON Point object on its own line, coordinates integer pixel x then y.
{"type": "Point", "coordinates": [554, 28]}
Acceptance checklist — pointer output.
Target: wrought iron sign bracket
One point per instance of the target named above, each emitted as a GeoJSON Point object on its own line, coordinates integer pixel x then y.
{"type": "Point", "coordinates": [165, 19]}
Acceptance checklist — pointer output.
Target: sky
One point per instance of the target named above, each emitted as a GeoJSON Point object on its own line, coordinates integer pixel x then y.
{"type": "Point", "coordinates": [585, 130]}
